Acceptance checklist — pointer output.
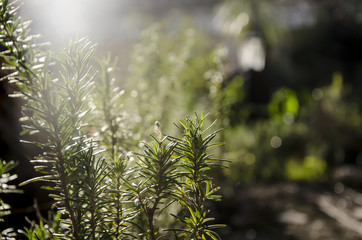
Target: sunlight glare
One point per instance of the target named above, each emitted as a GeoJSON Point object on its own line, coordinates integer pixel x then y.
{"type": "Point", "coordinates": [66, 16]}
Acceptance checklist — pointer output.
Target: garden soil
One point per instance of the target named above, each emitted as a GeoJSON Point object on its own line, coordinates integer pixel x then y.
{"type": "Point", "coordinates": [290, 211]}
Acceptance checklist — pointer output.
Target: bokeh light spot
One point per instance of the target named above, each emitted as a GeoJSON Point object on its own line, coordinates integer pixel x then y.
{"type": "Point", "coordinates": [275, 142]}
{"type": "Point", "coordinates": [317, 94]}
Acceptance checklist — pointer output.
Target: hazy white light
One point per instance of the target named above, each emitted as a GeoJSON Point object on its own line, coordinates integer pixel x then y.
{"type": "Point", "coordinates": [64, 17]}
{"type": "Point", "coordinates": [251, 54]}
{"type": "Point", "coordinates": [59, 20]}
{"type": "Point", "coordinates": [238, 24]}
{"type": "Point", "coordinates": [227, 24]}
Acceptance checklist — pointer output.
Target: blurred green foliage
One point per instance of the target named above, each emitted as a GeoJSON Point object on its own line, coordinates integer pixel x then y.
{"type": "Point", "coordinates": [165, 73]}
{"type": "Point", "coordinates": [284, 106]}
{"type": "Point", "coordinates": [298, 134]}
{"type": "Point", "coordinates": [305, 136]}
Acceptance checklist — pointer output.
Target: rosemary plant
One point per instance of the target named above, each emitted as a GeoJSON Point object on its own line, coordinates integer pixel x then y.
{"type": "Point", "coordinates": [159, 176]}
{"type": "Point", "coordinates": [100, 190]}
{"type": "Point", "coordinates": [55, 109]}
{"type": "Point", "coordinates": [109, 118]}
{"type": "Point", "coordinates": [5, 187]}
{"type": "Point", "coordinates": [197, 187]}
{"type": "Point", "coordinates": [112, 133]}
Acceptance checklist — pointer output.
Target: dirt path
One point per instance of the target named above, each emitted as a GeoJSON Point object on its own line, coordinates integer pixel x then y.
{"type": "Point", "coordinates": [291, 211]}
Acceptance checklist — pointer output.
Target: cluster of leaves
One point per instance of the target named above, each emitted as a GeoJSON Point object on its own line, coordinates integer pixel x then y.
{"type": "Point", "coordinates": [198, 187]}
{"type": "Point", "coordinates": [5, 188]}
{"type": "Point", "coordinates": [99, 189]}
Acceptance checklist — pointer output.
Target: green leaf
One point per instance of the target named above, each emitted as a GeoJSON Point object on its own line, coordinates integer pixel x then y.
{"type": "Point", "coordinates": [46, 178]}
